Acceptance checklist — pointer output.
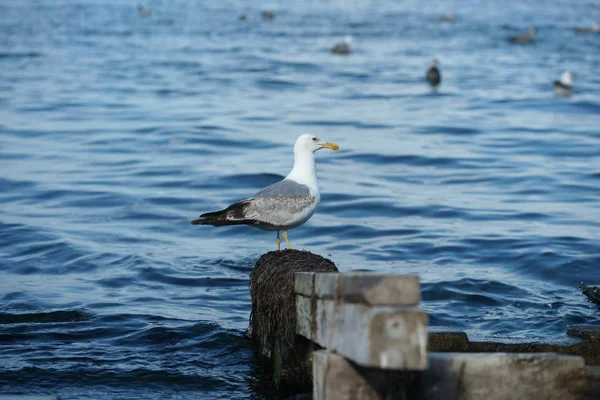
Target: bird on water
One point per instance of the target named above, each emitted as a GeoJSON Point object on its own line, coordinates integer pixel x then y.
{"type": "Point", "coordinates": [343, 47]}
{"type": "Point", "coordinates": [144, 12]}
{"type": "Point", "coordinates": [593, 29]}
{"type": "Point", "coordinates": [449, 17]}
{"type": "Point", "coordinates": [564, 86]}
{"type": "Point", "coordinates": [525, 38]}
{"type": "Point", "coordinates": [281, 206]}
{"type": "Point", "coordinates": [433, 74]}
{"type": "Point", "coordinates": [268, 15]}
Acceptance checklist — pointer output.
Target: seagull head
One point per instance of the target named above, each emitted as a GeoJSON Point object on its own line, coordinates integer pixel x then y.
{"type": "Point", "coordinates": [567, 78]}
{"type": "Point", "coordinates": [434, 62]}
{"type": "Point", "coordinates": [308, 142]}
{"type": "Point", "coordinates": [348, 39]}
{"type": "Point", "coordinates": [531, 31]}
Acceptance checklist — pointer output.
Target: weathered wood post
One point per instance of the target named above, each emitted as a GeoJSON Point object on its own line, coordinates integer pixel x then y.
{"type": "Point", "coordinates": [374, 335]}
{"type": "Point", "coordinates": [273, 320]}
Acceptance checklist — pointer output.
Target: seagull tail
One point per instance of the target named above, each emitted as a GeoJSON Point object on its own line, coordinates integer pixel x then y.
{"type": "Point", "coordinates": [232, 215]}
{"type": "Point", "coordinates": [200, 221]}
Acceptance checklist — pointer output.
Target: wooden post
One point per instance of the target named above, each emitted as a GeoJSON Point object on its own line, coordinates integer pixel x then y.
{"type": "Point", "coordinates": [375, 336]}
{"type": "Point", "coordinates": [368, 318]}
{"type": "Point", "coordinates": [285, 355]}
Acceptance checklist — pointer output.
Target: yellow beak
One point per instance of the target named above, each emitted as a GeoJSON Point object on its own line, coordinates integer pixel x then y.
{"type": "Point", "coordinates": [331, 146]}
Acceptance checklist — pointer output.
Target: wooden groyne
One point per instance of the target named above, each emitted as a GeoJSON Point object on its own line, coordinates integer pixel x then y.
{"type": "Point", "coordinates": [361, 335]}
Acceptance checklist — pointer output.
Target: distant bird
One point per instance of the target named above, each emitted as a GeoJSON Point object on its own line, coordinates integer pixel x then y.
{"type": "Point", "coordinates": [144, 12]}
{"type": "Point", "coordinates": [564, 86]}
{"type": "Point", "coordinates": [433, 74]}
{"type": "Point", "coordinates": [242, 17]}
{"type": "Point", "coordinates": [594, 29]}
{"type": "Point", "coordinates": [526, 38]}
{"type": "Point", "coordinates": [267, 15]}
{"type": "Point", "coordinates": [281, 206]}
{"type": "Point", "coordinates": [344, 47]}
{"type": "Point", "coordinates": [449, 17]}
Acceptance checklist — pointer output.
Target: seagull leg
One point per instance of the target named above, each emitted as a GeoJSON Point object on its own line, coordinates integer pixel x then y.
{"type": "Point", "coordinates": [287, 240]}
{"type": "Point", "coordinates": [278, 241]}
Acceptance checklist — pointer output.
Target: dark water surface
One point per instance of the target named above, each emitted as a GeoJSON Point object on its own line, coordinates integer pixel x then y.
{"type": "Point", "coordinates": [116, 130]}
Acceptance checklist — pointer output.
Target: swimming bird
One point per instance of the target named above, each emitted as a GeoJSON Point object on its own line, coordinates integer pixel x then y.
{"type": "Point", "coordinates": [267, 15]}
{"type": "Point", "coordinates": [594, 29]}
{"type": "Point", "coordinates": [242, 17]}
{"type": "Point", "coordinates": [343, 47]}
{"type": "Point", "coordinates": [433, 74]}
{"type": "Point", "coordinates": [144, 12]}
{"type": "Point", "coordinates": [525, 38]}
{"type": "Point", "coordinates": [281, 206]}
{"type": "Point", "coordinates": [449, 17]}
{"type": "Point", "coordinates": [564, 86]}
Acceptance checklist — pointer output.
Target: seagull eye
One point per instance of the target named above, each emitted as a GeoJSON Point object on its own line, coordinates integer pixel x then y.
{"type": "Point", "coordinates": [314, 139]}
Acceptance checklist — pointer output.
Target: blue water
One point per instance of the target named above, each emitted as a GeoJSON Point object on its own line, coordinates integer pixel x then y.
{"type": "Point", "coordinates": [116, 130]}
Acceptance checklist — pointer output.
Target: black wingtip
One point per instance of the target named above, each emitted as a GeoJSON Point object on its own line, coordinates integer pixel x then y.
{"type": "Point", "coordinates": [197, 221]}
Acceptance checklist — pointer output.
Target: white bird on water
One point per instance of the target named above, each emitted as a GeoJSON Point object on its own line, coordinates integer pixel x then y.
{"type": "Point", "coordinates": [564, 86]}
{"type": "Point", "coordinates": [343, 47]}
{"type": "Point", "coordinates": [281, 206]}
{"type": "Point", "coordinates": [525, 38]}
{"type": "Point", "coordinates": [594, 28]}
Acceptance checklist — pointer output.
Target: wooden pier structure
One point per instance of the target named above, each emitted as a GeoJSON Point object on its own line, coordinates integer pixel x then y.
{"type": "Point", "coordinates": [363, 336]}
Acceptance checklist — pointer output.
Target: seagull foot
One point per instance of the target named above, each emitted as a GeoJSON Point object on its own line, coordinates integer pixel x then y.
{"type": "Point", "coordinates": [285, 236]}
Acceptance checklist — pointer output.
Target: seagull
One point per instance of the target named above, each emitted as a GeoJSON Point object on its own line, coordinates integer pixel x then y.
{"type": "Point", "coordinates": [525, 38]}
{"type": "Point", "coordinates": [433, 74]}
{"type": "Point", "coordinates": [281, 206]}
{"type": "Point", "coordinates": [267, 15]}
{"type": "Point", "coordinates": [144, 12]}
{"type": "Point", "coordinates": [594, 29]}
{"type": "Point", "coordinates": [449, 17]}
{"type": "Point", "coordinates": [344, 47]}
{"type": "Point", "coordinates": [564, 86]}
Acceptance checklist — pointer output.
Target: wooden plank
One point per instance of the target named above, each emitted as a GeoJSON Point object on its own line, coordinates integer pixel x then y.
{"type": "Point", "coordinates": [592, 389]}
{"type": "Point", "coordinates": [464, 376]}
{"type": "Point", "coordinates": [500, 376]}
{"type": "Point", "coordinates": [304, 313]}
{"type": "Point", "coordinates": [590, 333]}
{"type": "Point", "coordinates": [334, 377]}
{"type": "Point", "coordinates": [387, 337]}
{"type": "Point", "coordinates": [369, 288]}
{"type": "Point", "coordinates": [304, 283]}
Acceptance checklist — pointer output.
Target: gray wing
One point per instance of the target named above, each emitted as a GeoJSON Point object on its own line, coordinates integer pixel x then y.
{"type": "Point", "coordinates": [284, 188]}
{"type": "Point", "coordinates": [341, 48]}
{"type": "Point", "coordinates": [280, 204]}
